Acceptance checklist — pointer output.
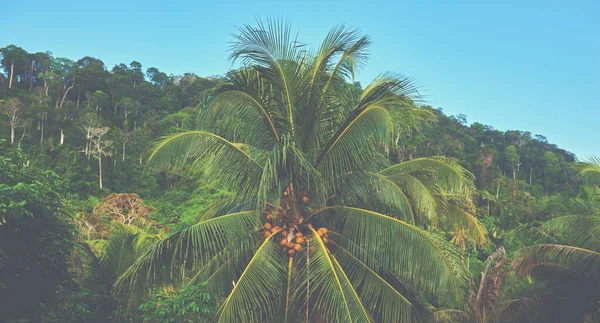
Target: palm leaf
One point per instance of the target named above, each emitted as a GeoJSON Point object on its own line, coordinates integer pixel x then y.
{"type": "Point", "coordinates": [375, 292]}
{"type": "Point", "coordinates": [212, 154]}
{"type": "Point", "coordinates": [418, 257]}
{"type": "Point", "coordinates": [170, 260]}
{"type": "Point", "coordinates": [259, 289]}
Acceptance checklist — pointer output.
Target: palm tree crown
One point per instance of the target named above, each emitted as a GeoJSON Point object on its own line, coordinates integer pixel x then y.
{"type": "Point", "coordinates": [321, 228]}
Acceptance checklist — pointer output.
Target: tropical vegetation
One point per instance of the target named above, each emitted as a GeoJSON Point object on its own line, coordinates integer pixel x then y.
{"type": "Point", "coordinates": [281, 191]}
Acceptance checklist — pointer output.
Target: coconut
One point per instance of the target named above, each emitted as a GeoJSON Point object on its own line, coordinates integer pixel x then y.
{"type": "Point", "coordinates": [283, 242]}
{"type": "Point", "coordinates": [305, 199]}
{"type": "Point", "coordinates": [284, 233]}
{"type": "Point", "coordinates": [268, 226]}
{"type": "Point", "coordinates": [291, 252]}
{"type": "Point", "coordinates": [275, 229]}
{"type": "Point", "coordinates": [291, 245]}
{"type": "Point", "coordinates": [298, 247]}
{"type": "Point", "coordinates": [325, 231]}
{"type": "Point", "coordinates": [300, 240]}
{"type": "Point", "coordinates": [325, 240]}
{"type": "Point", "coordinates": [299, 235]}
{"type": "Point", "coordinates": [267, 234]}
{"type": "Point", "coordinates": [270, 217]}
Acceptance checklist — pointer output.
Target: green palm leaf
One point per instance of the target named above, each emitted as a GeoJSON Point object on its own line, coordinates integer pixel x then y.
{"type": "Point", "coordinates": [259, 289]}
{"type": "Point", "coordinates": [409, 252]}
{"type": "Point", "coordinates": [190, 248]}
{"type": "Point", "coordinates": [375, 292]}
{"type": "Point", "coordinates": [212, 154]}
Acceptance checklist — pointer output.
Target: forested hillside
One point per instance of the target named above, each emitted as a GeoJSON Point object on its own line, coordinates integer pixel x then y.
{"type": "Point", "coordinates": [78, 134]}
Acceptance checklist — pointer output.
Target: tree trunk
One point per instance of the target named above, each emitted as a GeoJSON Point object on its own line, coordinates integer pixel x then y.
{"type": "Point", "coordinates": [530, 171]}
{"type": "Point", "coordinates": [62, 136]}
{"type": "Point", "coordinates": [31, 76]}
{"type": "Point", "coordinates": [65, 96]}
{"type": "Point", "coordinates": [12, 67]}
{"type": "Point", "coordinates": [22, 136]}
{"type": "Point", "coordinates": [100, 167]}
{"type": "Point", "coordinates": [497, 190]}
{"type": "Point", "coordinates": [42, 136]}
{"type": "Point", "coordinates": [12, 133]}
{"type": "Point", "coordinates": [46, 85]}
{"type": "Point", "coordinates": [123, 151]}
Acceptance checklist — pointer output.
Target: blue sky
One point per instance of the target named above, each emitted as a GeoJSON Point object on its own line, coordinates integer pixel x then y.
{"type": "Point", "coordinates": [515, 65]}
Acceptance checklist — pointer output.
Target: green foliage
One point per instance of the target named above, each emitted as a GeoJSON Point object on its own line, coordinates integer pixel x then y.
{"type": "Point", "coordinates": [191, 304]}
{"type": "Point", "coordinates": [35, 238]}
{"type": "Point", "coordinates": [289, 115]}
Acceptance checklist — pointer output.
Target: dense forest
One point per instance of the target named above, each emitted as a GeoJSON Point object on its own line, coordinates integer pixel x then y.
{"type": "Point", "coordinates": [282, 190]}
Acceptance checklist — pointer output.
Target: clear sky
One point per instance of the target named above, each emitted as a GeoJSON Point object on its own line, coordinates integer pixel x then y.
{"type": "Point", "coordinates": [515, 65]}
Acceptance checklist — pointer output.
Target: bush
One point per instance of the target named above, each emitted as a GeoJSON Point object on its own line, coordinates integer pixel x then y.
{"type": "Point", "coordinates": [191, 304]}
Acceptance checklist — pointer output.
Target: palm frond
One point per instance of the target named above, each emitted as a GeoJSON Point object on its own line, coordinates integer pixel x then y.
{"type": "Point", "coordinates": [353, 144]}
{"type": "Point", "coordinates": [259, 290]}
{"type": "Point", "coordinates": [589, 172]}
{"type": "Point", "coordinates": [584, 261]}
{"type": "Point", "coordinates": [425, 196]}
{"type": "Point", "coordinates": [210, 153]}
{"type": "Point", "coordinates": [419, 258]}
{"type": "Point", "coordinates": [374, 192]}
{"type": "Point", "coordinates": [577, 230]}
{"type": "Point", "coordinates": [450, 176]}
{"type": "Point", "coordinates": [271, 47]}
{"type": "Point", "coordinates": [172, 259]}
{"type": "Point", "coordinates": [335, 299]}
{"type": "Point", "coordinates": [242, 111]}
{"type": "Point", "coordinates": [385, 302]}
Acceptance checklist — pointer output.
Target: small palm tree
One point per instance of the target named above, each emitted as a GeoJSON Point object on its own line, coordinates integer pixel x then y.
{"type": "Point", "coordinates": [321, 228]}
{"type": "Point", "coordinates": [573, 268]}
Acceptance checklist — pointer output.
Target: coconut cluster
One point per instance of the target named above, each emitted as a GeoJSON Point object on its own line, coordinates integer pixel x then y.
{"type": "Point", "coordinates": [291, 239]}
{"type": "Point", "coordinates": [292, 242]}
{"type": "Point", "coordinates": [323, 233]}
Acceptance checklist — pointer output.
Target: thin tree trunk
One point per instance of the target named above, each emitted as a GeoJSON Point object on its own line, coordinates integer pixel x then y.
{"type": "Point", "coordinates": [123, 151]}
{"type": "Point", "coordinates": [100, 166]}
{"type": "Point", "coordinates": [62, 136]}
{"type": "Point", "coordinates": [12, 67]}
{"type": "Point", "coordinates": [46, 85]}
{"type": "Point", "coordinates": [65, 96]}
{"type": "Point", "coordinates": [530, 171]}
{"type": "Point", "coordinates": [12, 133]}
{"type": "Point", "coordinates": [31, 76]}
{"type": "Point", "coordinates": [22, 136]}
{"type": "Point", "coordinates": [42, 136]}
{"type": "Point", "coordinates": [497, 190]}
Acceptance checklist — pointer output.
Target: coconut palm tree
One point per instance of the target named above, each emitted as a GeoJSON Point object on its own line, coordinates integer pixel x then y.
{"type": "Point", "coordinates": [321, 227]}
{"type": "Point", "coordinates": [572, 266]}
